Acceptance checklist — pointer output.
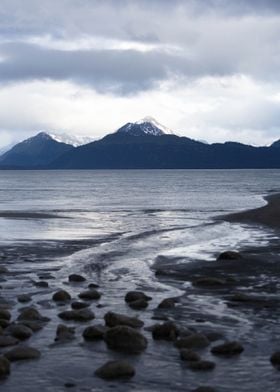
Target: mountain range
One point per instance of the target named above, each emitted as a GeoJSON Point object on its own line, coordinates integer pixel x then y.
{"type": "Point", "coordinates": [144, 144]}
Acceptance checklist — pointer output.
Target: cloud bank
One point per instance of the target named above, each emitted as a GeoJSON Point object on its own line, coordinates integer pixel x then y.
{"type": "Point", "coordinates": [209, 69]}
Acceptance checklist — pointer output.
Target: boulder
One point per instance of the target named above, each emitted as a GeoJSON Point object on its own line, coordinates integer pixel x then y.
{"type": "Point", "coordinates": [213, 336]}
{"type": "Point", "coordinates": [91, 294]}
{"type": "Point", "coordinates": [61, 296]}
{"type": "Point", "coordinates": [31, 314]}
{"type": "Point", "coordinates": [19, 331]}
{"type": "Point", "coordinates": [77, 315]}
{"type": "Point", "coordinates": [5, 314]}
{"type": "Point", "coordinates": [209, 282]}
{"type": "Point", "coordinates": [195, 340]}
{"type": "Point", "coordinates": [93, 286]}
{"type": "Point", "coordinates": [23, 298]}
{"type": "Point", "coordinates": [228, 349]}
{"type": "Point", "coordinates": [94, 332]}
{"type": "Point", "coordinates": [41, 284]}
{"type": "Point", "coordinates": [4, 367]}
{"type": "Point", "coordinates": [21, 353]}
{"type": "Point", "coordinates": [115, 369]}
{"type": "Point", "coordinates": [32, 319]}
{"type": "Point", "coordinates": [229, 255]}
{"type": "Point", "coordinates": [201, 365]}
{"type": "Point", "coordinates": [165, 331]}
{"type": "Point", "coordinates": [6, 340]}
{"type": "Point", "coordinates": [132, 296]}
{"type": "Point", "coordinates": [189, 355]}
{"type": "Point", "coordinates": [3, 270]}
{"type": "Point", "coordinates": [79, 305]}
{"type": "Point", "coordinates": [113, 319]}
{"type": "Point", "coordinates": [76, 278]}
{"type": "Point", "coordinates": [138, 304]}
{"type": "Point", "coordinates": [64, 333]}
{"type": "Point", "coordinates": [45, 275]}
{"type": "Point", "coordinates": [167, 303]}
{"type": "Point", "coordinates": [275, 359]}
{"type": "Point", "coordinates": [4, 323]}
{"type": "Point", "coordinates": [126, 339]}
{"type": "Point", "coordinates": [204, 389]}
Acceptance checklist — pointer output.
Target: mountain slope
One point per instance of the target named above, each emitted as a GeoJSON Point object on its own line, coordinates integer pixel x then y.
{"type": "Point", "coordinates": [34, 152]}
{"type": "Point", "coordinates": [144, 146]}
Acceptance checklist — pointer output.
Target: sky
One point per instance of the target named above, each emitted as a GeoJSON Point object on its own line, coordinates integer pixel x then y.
{"type": "Point", "coordinates": [207, 69]}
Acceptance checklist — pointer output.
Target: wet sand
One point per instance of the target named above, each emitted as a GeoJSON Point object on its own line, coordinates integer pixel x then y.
{"type": "Point", "coordinates": [269, 215]}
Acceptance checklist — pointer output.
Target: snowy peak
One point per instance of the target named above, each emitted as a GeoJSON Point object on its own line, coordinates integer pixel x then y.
{"type": "Point", "coordinates": [146, 126]}
{"type": "Point", "coordinates": [73, 140]}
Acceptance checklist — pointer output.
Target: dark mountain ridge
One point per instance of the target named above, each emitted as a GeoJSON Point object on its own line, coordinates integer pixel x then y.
{"type": "Point", "coordinates": [141, 145]}
{"type": "Point", "coordinates": [37, 151]}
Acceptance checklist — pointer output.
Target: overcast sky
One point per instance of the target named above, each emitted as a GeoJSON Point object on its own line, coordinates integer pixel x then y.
{"type": "Point", "coordinates": [208, 69]}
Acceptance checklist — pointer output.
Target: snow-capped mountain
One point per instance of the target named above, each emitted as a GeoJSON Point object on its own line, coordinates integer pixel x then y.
{"type": "Point", "coordinates": [146, 126]}
{"type": "Point", "coordinates": [35, 151]}
{"type": "Point", "coordinates": [73, 140]}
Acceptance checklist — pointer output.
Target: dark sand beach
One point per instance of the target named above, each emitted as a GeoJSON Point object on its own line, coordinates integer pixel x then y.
{"type": "Point", "coordinates": [268, 215]}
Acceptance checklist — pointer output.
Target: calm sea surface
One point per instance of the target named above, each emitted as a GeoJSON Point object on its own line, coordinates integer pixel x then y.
{"type": "Point", "coordinates": [113, 226]}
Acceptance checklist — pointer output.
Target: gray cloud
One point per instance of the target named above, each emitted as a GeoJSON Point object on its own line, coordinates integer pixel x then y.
{"type": "Point", "coordinates": [141, 45]}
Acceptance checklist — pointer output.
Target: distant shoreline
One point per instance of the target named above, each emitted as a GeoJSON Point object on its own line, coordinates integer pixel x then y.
{"type": "Point", "coordinates": [268, 215]}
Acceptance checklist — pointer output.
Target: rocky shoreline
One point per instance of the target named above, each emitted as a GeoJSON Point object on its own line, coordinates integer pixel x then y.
{"type": "Point", "coordinates": [197, 338]}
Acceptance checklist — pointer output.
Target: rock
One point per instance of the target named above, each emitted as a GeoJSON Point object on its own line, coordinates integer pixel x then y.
{"type": "Point", "coordinates": [132, 296]}
{"type": "Point", "coordinates": [126, 339]}
{"type": "Point", "coordinates": [61, 296]}
{"type": "Point", "coordinates": [115, 369]}
{"type": "Point", "coordinates": [209, 282]}
{"type": "Point", "coordinates": [19, 331]}
{"type": "Point", "coordinates": [213, 336]}
{"type": "Point", "coordinates": [93, 286]}
{"type": "Point", "coordinates": [3, 270]}
{"type": "Point", "coordinates": [165, 331]}
{"type": "Point", "coordinates": [41, 284]}
{"type": "Point", "coordinates": [201, 365]}
{"type": "Point", "coordinates": [6, 341]}
{"type": "Point", "coordinates": [24, 298]}
{"type": "Point", "coordinates": [189, 355]}
{"type": "Point", "coordinates": [76, 278]}
{"type": "Point", "coordinates": [64, 333]}
{"type": "Point", "coordinates": [204, 389]}
{"type": "Point", "coordinates": [113, 319]}
{"type": "Point", "coordinates": [31, 314]}
{"type": "Point", "coordinates": [77, 315]}
{"type": "Point", "coordinates": [69, 385]}
{"type": "Point", "coordinates": [138, 304]}
{"type": "Point", "coordinates": [196, 340]}
{"type": "Point", "coordinates": [167, 303]}
{"type": "Point", "coordinates": [32, 319]}
{"type": "Point", "coordinates": [229, 255]}
{"type": "Point", "coordinates": [5, 314]}
{"type": "Point", "coordinates": [45, 275]}
{"type": "Point", "coordinates": [94, 332]}
{"type": "Point", "coordinates": [275, 359]}
{"type": "Point", "coordinates": [79, 305]}
{"type": "Point", "coordinates": [4, 323]}
{"type": "Point", "coordinates": [21, 353]}
{"type": "Point", "coordinates": [91, 294]}
{"type": "Point", "coordinates": [228, 349]}
{"type": "Point", "coordinates": [4, 367]}
{"type": "Point", "coordinates": [251, 299]}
